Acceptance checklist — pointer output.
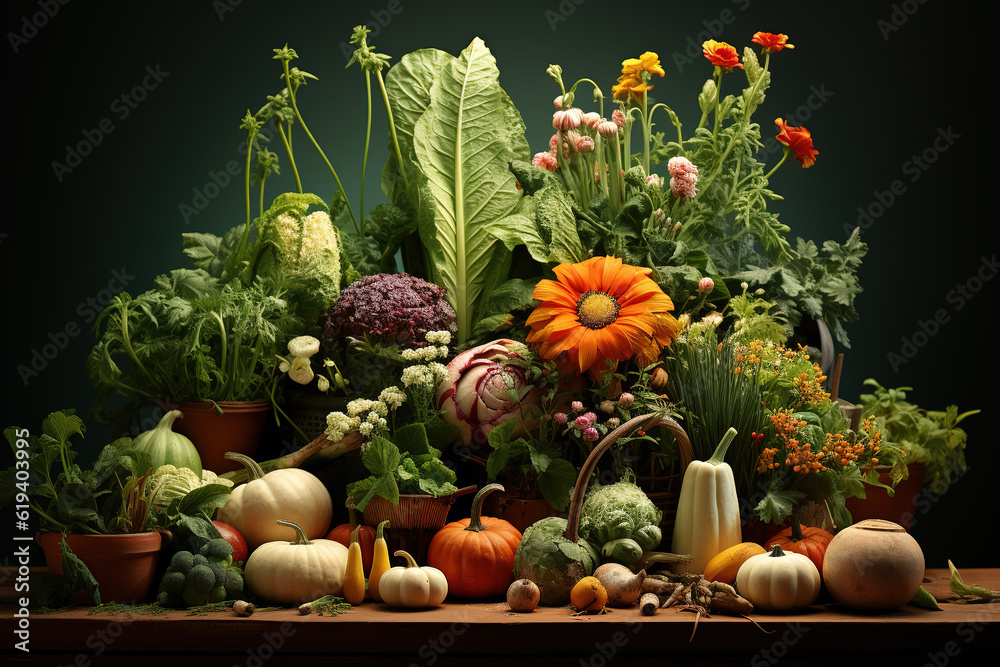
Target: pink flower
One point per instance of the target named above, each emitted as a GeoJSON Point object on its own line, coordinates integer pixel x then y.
{"type": "Point", "coordinates": [545, 160]}
{"type": "Point", "coordinates": [679, 166]}
{"type": "Point", "coordinates": [591, 119]}
{"type": "Point", "coordinates": [618, 117]}
{"type": "Point", "coordinates": [476, 396]}
{"type": "Point", "coordinates": [584, 145]}
{"type": "Point", "coordinates": [607, 129]}
{"type": "Point", "coordinates": [560, 418]}
{"type": "Point", "coordinates": [576, 406]}
{"type": "Point", "coordinates": [567, 119]}
{"type": "Point", "coordinates": [590, 416]}
{"type": "Point", "coordinates": [683, 185]}
{"type": "Point", "coordinates": [557, 103]}
{"type": "Point", "coordinates": [591, 435]}
{"type": "Point", "coordinates": [581, 423]}
{"type": "Point", "coordinates": [654, 181]}
{"type": "Point", "coordinates": [626, 400]}
{"type": "Point", "coordinates": [706, 285]}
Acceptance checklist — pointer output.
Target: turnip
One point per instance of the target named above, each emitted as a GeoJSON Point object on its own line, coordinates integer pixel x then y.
{"type": "Point", "coordinates": [523, 595]}
{"type": "Point", "coordinates": [622, 584]}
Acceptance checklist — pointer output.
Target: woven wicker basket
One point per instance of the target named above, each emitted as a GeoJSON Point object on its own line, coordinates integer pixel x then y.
{"type": "Point", "coordinates": [662, 484]}
{"type": "Point", "coordinates": [414, 520]}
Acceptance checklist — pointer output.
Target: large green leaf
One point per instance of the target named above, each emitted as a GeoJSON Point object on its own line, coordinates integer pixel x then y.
{"type": "Point", "coordinates": [463, 144]}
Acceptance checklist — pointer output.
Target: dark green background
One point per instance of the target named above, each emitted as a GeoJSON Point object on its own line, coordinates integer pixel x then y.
{"type": "Point", "coordinates": [891, 77]}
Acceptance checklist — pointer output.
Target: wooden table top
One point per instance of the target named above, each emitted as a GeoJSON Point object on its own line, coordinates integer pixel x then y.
{"type": "Point", "coordinates": [488, 633]}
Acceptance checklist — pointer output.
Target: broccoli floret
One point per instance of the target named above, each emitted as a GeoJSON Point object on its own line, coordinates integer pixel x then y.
{"type": "Point", "coordinates": [174, 582]}
{"type": "Point", "coordinates": [200, 560]}
{"type": "Point", "coordinates": [201, 579]}
{"type": "Point", "coordinates": [182, 561]}
{"type": "Point", "coordinates": [219, 571]}
{"type": "Point", "coordinates": [233, 582]}
{"type": "Point", "coordinates": [217, 549]}
{"type": "Point", "coordinates": [218, 594]}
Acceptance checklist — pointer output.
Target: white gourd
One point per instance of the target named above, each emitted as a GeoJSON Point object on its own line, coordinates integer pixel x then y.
{"type": "Point", "coordinates": [290, 494]}
{"type": "Point", "coordinates": [708, 512]}
{"type": "Point", "coordinates": [413, 586]}
{"type": "Point", "coordinates": [298, 571]}
{"type": "Point", "coordinates": [779, 581]}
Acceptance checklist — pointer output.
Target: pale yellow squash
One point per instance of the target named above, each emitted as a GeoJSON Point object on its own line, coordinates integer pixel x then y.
{"type": "Point", "coordinates": [297, 571]}
{"type": "Point", "coordinates": [290, 494]}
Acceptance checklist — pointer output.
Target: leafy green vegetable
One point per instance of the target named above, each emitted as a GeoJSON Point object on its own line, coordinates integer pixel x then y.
{"type": "Point", "coordinates": [414, 467]}
{"type": "Point", "coordinates": [464, 131]}
{"type": "Point", "coordinates": [964, 590]}
{"type": "Point", "coordinates": [615, 515]}
{"type": "Point", "coordinates": [930, 437]}
{"type": "Point", "coordinates": [554, 563]}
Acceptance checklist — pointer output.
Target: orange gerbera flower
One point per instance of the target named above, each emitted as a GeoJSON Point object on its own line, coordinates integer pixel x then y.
{"type": "Point", "coordinates": [799, 140]}
{"type": "Point", "coordinates": [600, 310]}
{"type": "Point", "coordinates": [636, 73]}
{"type": "Point", "coordinates": [772, 42]}
{"type": "Point", "coordinates": [721, 54]}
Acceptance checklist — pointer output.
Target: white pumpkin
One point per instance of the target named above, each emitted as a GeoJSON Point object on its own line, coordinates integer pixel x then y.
{"type": "Point", "coordinates": [778, 581]}
{"type": "Point", "coordinates": [297, 571]}
{"type": "Point", "coordinates": [290, 494]}
{"type": "Point", "coordinates": [413, 586]}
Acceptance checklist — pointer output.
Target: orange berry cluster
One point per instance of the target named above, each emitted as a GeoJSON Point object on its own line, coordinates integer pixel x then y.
{"type": "Point", "coordinates": [811, 388]}
{"type": "Point", "coordinates": [766, 460]}
{"type": "Point", "coordinates": [803, 459]}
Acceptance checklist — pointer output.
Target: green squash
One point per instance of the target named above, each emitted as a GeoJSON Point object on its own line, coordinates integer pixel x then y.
{"type": "Point", "coordinates": [166, 447]}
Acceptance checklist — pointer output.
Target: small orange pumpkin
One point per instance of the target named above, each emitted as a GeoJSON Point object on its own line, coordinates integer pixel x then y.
{"type": "Point", "coordinates": [806, 540]}
{"type": "Point", "coordinates": [366, 536]}
{"type": "Point", "coordinates": [476, 554]}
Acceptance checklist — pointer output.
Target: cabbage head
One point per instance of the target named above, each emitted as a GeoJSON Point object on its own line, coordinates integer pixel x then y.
{"type": "Point", "coordinates": [620, 521]}
{"type": "Point", "coordinates": [554, 563]}
{"type": "Point", "coordinates": [167, 483]}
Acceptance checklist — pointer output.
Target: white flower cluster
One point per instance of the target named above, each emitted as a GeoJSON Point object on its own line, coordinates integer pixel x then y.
{"type": "Point", "coordinates": [338, 425]}
{"type": "Point", "coordinates": [426, 353]}
{"type": "Point", "coordinates": [392, 396]}
{"type": "Point", "coordinates": [438, 338]}
{"type": "Point", "coordinates": [431, 374]}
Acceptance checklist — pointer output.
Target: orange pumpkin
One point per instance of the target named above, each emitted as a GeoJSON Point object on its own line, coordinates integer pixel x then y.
{"type": "Point", "coordinates": [476, 554]}
{"type": "Point", "coordinates": [366, 536]}
{"type": "Point", "coordinates": [806, 540]}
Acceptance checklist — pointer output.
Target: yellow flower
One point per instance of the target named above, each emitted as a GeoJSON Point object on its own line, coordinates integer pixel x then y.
{"type": "Point", "coordinates": [636, 73]}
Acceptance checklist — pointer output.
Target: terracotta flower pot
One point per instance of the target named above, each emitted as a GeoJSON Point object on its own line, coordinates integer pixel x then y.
{"type": "Point", "coordinates": [123, 565]}
{"type": "Point", "coordinates": [237, 429]}
{"type": "Point", "coordinates": [520, 512]}
{"type": "Point", "coordinates": [899, 508]}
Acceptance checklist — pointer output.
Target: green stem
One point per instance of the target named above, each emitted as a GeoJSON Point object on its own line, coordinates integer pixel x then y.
{"type": "Point", "coordinates": [368, 136]}
{"type": "Point", "coordinates": [300, 535]}
{"type": "Point", "coordinates": [254, 471]}
{"type": "Point", "coordinates": [392, 127]}
{"type": "Point", "coordinates": [475, 521]}
{"type": "Point", "coordinates": [720, 451]}
{"type": "Point", "coordinates": [646, 128]}
{"type": "Point", "coordinates": [784, 157]}
{"type": "Point", "coordinates": [285, 141]}
{"type": "Point", "coordinates": [305, 128]}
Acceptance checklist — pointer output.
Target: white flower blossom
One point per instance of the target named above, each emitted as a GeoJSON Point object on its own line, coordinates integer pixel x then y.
{"type": "Point", "coordinates": [392, 397]}
{"type": "Point", "coordinates": [416, 375]}
{"type": "Point", "coordinates": [338, 425]}
{"type": "Point", "coordinates": [439, 337]}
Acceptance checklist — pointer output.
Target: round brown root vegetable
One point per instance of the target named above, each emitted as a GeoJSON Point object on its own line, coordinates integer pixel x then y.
{"type": "Point", "coordinates": [622, 584]}
{"type": "Point", "coordinates": [523, 595]}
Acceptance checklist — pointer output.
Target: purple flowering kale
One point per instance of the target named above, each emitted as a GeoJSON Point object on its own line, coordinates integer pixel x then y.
{"type": "Point", "coordinates": [397, 307]}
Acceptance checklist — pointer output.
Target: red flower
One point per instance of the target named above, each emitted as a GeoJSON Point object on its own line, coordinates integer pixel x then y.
{"type": "Point", "coordinates": [721, 54]}
{"type": "Point", "coordinates": [772, 42]}
{"type": "Point", "coordinates": [799, 140]}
